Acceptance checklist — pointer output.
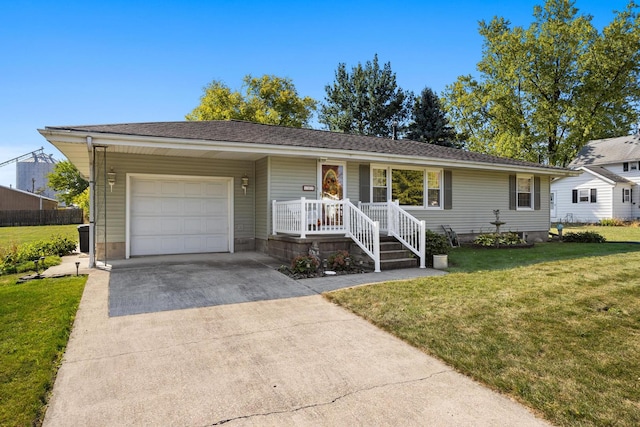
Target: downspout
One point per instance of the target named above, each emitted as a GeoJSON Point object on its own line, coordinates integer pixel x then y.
{"type": "Point", "coordinates": [92, 195]}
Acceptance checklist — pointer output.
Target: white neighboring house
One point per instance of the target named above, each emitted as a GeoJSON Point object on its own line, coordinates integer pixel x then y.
{"type": "Point", "coordinates": [607, 186]}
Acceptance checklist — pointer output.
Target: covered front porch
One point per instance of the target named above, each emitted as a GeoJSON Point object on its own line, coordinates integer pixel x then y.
{"type": "Point", "coordinates": [363, 223]}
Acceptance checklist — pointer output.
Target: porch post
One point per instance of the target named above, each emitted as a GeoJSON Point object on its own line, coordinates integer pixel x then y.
{"type": "Point", "coordinates": [376, 246]}
{"type": "Point", "coordinates": [390, 223]}
{"type": "Point", "coordinates": [303, 218]}
{"type": "Point", "coordinates": [273, 217]}
{"type": "Point", "coordinates": [346, 217]}
{"type": "Point", "coordinates": [423, 243]}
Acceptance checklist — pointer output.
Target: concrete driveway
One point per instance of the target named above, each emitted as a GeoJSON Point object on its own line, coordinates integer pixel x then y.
{"type": "Point", "coordinates": [289, 361]}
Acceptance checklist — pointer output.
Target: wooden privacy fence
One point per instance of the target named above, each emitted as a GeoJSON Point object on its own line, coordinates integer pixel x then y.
{"type": "Point", "coordinates": [43, 217]}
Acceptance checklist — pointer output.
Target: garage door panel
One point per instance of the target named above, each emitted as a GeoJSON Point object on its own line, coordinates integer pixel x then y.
{"type": "Point", "coordinates": [170, 188]}
{"type": "Point", "coordinates": [146, 187]}
{"type": "Point", "coordinates": [170, 207]}
{"type": "Point", "coordinates": [145, 226]}
{"type": "Point", "coordinates": [193, 189]}
{"type": "Point", "coordinates": [144, 205]}
{"type": "Point", "coordinates": [178, 216]}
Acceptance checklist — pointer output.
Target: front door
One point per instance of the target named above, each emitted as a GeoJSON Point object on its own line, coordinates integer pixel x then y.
{"type": "Point", "coordinates": [331, 177]}
{"type": "Point", "coordinates": [552, 204]}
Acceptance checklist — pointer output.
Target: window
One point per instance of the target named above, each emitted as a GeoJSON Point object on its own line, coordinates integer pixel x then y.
{"type": "Point", "coordinates": [433, 189]}
{"type": "Point", "coordinates": [634, 166]}
{"type": "Point", "coordinates": [524, 192]}
{"type": "Point", "coordinates": [411, 187]}
{"type": "Point", "coordinates": [625, 167]}
{"type": "Point", "coordinates": [407, 186]}
{"type": "Point", "coordinates": [379, 185]}
{"type": "Point", "coordinates": [583, 195]}
{"type": "Point", "coordinates": [626, 195]}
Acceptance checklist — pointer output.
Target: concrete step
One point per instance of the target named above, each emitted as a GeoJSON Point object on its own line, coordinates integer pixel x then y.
{"type": "Point", "coordinates": [395, 254]}
{"type": "Point", "coordinates": [391, 246]}
{"type": "Point", "coordinates": [394, 264]}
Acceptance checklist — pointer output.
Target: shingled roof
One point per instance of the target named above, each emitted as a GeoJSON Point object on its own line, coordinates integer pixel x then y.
{"type": "Point", "coordinates": [246, 132]}
{"type": "Point", "coordinates": [607, 174]}
{"type": "Point", "coordinates": [608, 151]}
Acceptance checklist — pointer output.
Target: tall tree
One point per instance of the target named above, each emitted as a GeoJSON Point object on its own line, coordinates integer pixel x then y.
{"type": "Point", "coordinates": [429, 122]}
{"type": "Point", "coordinates": [546, 90]}
{"type": "Point", "coordinates": [267, 99]}
{"type": "Point", "coordinates": [67, 179]}
{"type": "Point", "coordinates": [365, 101]}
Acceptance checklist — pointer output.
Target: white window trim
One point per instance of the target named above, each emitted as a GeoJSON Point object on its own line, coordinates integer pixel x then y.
{"type": "Point", "coordinates": [588, 190]}
{"type": "Point", "coordinates": [425, 191]}
{"type": "Point", "coordinates": [531, 192]}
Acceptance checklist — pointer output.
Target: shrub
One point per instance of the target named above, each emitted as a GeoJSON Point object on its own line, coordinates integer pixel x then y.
{"type": "Point", "coordinates": [304, 264]}
{"type": "Point", "coordinates": [15, 258]}
{"type": "Point", "coordinates": [338, 261]}
{"type": "Point", "coordinates": [435, 244]}
{"type": "Point", "coordinates": [611, 222]}
{"type": "Point", "coordinates": [584, 237]}
{"type": "Point", "coordinates": [495, 239]}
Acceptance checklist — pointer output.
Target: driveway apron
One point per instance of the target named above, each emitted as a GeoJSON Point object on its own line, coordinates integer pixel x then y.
{"type": "Point", "coordinates": [298, 360]}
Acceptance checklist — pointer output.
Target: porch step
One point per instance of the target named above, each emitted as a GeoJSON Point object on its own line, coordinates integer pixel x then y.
{"type": "Point", "coordinates": [393, 255]}
{"type": "Point", "coordinates": [395, 264]}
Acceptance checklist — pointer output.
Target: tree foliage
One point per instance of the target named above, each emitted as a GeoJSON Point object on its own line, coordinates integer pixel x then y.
{"type": "Point", "coordinates": [546, 90]}
{"type": "Point", "coordinates": [267, 99]}
{"type": "Point", "coordinates": [67, 179]}
{"type": "Point", "coordinates": [429, 122]}
{"type": "Point", "coordinates": [365, 101]}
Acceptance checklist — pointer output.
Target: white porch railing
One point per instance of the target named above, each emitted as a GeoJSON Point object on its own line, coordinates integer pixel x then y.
{"type": "Point", "coordinates": [409, 231]}
{"type": "Point", "coordinates": [362, 223]}
{"type": "Point", "coordinates": [316, 217]}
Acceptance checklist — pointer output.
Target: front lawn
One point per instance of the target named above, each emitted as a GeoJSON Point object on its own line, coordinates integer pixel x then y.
{"type": "Point", "coordinates": [35, 322]}
{"type": "Point", "coordinates": [611, 233]}
{"type": "Point", "coordinates": [30, 234]}
{"type": "Point", "coordinates": [562, 337]}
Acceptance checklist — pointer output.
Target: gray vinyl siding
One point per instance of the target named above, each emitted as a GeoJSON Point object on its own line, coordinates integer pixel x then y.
{"type": "Point", "coordinates": [263, 206]}
{"type": "Point", "coordinates": [353, 182]}
{"type": "Point", "coordinates": [475, 195]}
{"type": "Point", "coordinates": [123, 164]}
{"type": "Point", "coordinates": [289, 174]}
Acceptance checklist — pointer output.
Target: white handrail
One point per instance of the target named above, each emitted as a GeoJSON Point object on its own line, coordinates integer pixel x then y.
{"type": "Point", "coordinates": [364, 231]}
{"type": "Point", "coordinates": [409, 231]}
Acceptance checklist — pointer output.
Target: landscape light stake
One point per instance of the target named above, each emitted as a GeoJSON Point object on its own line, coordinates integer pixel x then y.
{"type": "Point", "coordinates": [77, 267]}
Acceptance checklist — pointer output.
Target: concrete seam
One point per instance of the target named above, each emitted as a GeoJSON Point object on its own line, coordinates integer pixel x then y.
{"type": "Point", "coordinates": [315, 405]}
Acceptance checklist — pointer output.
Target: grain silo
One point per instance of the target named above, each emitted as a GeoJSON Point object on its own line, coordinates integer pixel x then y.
{"type": "Point", "coordinates": [31, 174]}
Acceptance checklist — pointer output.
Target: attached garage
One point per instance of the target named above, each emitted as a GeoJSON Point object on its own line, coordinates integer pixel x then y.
{"type": "Point", "coordinates": [178, 214]}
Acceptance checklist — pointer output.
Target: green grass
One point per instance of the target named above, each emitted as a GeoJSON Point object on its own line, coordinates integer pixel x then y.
{"type": "Point", "coordinates": [30, 234]}
{"type": "Point", "coordinates": [470, 259]}
{"type": "Point", "coordinates": [35, 321]}
{"type": "Point", "coordinates": [612, 234]}
{"type": "Point", "coordinates": [562, 337]}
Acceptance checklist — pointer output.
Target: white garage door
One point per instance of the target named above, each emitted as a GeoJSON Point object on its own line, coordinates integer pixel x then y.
{"type": "Point", "coordinates": [169, 215]}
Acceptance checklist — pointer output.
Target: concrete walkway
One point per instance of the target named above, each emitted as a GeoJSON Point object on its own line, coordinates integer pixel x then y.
{"type": "Point", "coordinates": [293, 361]}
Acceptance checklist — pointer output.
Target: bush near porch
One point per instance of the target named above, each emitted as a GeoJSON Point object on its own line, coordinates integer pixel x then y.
{"type": "Point", "coordinates": [555, 326]}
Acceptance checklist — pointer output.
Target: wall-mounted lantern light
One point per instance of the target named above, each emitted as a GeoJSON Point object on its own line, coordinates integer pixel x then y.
{"type": "Point", "coordinates": [111, 179]}
{"type": "Point", "coordinates": [245, 183]}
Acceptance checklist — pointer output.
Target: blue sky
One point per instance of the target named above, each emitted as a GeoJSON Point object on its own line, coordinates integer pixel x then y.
{"type": "Point", "coordinates": [96, 62]}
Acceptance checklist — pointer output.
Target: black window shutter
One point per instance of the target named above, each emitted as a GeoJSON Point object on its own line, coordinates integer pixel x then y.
{"type": "Point", "coordinates": [594, 194]}
{"type": "Point", "coordinates": [365, 173]}
{"type": "Point", "coordinates": [512, 192]}
{"type": "Point", "coordinates": [574, 196]}
{"type": "Point", "coordinates": [536, 193]}
{"type": "Point", "coordinates": [625, 167]}
{"type": "Point", "coordinates": [448, 190]}
{"type": "Point", "coordinates": [623, 195]}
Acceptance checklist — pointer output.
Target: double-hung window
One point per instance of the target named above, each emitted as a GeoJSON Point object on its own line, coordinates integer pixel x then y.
{"type": "Point", "coordinates": [524, 191]}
